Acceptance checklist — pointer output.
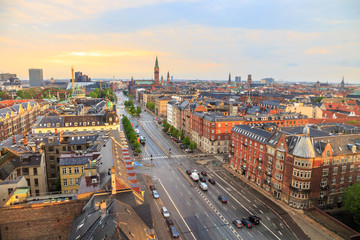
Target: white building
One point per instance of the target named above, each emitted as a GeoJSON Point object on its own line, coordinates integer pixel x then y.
{"type": "Point", "coordinates": [170, 112]}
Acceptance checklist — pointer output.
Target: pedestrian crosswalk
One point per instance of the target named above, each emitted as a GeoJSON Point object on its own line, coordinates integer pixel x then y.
{"type": "Point", "coordinates": [164, 156]}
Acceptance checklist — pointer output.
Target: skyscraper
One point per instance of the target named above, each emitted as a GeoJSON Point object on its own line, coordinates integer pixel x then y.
{"type": "Point", "coordinates": [238, 79]}
{"type": "Point", "coordinates": [36, 77]}
{"type": "Point", "coordinates": [229, 81]}
{"type": "Point", "coordinates": [156, 72]}
{"type": "Point", "coordinates": [249, 80]}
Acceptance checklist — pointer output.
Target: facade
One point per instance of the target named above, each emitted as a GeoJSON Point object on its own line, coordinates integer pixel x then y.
{"type": "Point", "coordinates": [170, 112]}
{"type": "Point", "coordinates": [302, 169]}
{"type": "Point", "coordinates": [36, 77]}
{"type": "Point", "coordinates": [8, 186]}
{"type": "Point", "coordinates": [6, 76]}
{"type": "Point", "coordinates": [160, 105]}
{"type": "Point", "coordinates": [309, 111]}
{"type": "Point", "coordinates": [50, 124]}
{"type": "Point", "coordinates": [18, 116]}
{"type": "Point", "coordinates": [72, 167]}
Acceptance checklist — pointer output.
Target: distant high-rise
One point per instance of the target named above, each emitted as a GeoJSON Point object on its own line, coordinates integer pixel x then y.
{"type": "Point", "coordinates": [36, 77]}
{"type": "Point", "coordinates": [249, 80]}
{"type": "Point", "coordinates": [229, 81]}
{"type": "Point", "coordinates": [168, 79]}
{"type": "Point", "coordinates": [156, 72]}
{"type": "Point", "coordinates": [6, 76]}
{"type": "Point", "coordinates": [80, 77]}
{"type": "Point", "coordinates": [268, 80]}
{"type": "Point", "coordinates": [342, 83]}
{"type": "Point", "coordinates": [238, 79]}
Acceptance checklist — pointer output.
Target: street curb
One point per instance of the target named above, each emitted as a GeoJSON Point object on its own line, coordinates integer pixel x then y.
{"type": "Point", "coordinates": [155, 141]}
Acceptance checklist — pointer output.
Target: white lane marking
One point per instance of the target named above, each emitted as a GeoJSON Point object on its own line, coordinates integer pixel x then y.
{"type": "Point", "coordinates": [241, 204]}
{"type": "Point", "coordinates": [280, 233]}
{"type": "Point", "coordinates": [177, 210]}
{"type": "Point", "coordinates": [268, 218]}
{"type": "Point", "coordinates": [233, 207]}
{"type": "Point", "coordinates": [261, 212]}
{"type": "Point", "coordinates": [188, 203]}
{"type": "Point", "coordinates": [206, 214]}
{"type": "Point", "coordinates": [196, 215]}
{"type": "Point", "coordinates": [254, 205]}
{"type": "Point", "coordinates": [250, 234]}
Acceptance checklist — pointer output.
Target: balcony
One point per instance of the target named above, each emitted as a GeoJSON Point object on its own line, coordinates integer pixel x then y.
{"type": "Point", "coordinates": [323, 198]}
{"type": "Point", "coordinates": [324, 187]}
{"type": "Point", "coordinates": [259, 159]}
{"type": "Point", "coordinates": [268, 173]}
{"type": "Point", "coordinates": [245, 144]}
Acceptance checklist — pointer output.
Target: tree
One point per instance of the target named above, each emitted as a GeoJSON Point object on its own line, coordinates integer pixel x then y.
{"type": "Point", "coordinates": [138, 111]}
{"type": "Point", "coordinates": [125, 93]}
{"type": "Point", "coordinates": [352, 201]}
{"type": "Point", "coordinates": [319, 99]}
{"type": "Point", "coordinates": [93, 95]}
{"type": "Point", "coordinates": [151, 106]}
{"type": "Point", "coordinates": [186, 141]}
{"type": "Point", "coordinates": [193, 145]}
{"type": "Point", "coordinates": [20, 93]}
{"type": "Point", "coordinates": [58, 184]}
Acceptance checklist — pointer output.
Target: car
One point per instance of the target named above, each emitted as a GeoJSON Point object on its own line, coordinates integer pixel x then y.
{"type": "Point", "coordinates": [152, 187]}
{"type": "Point", "coordinates": [155, 194]}
{"type": "Point", "coordinates": [133, 148]}
{"type": "Point", "coordinates": [237, 223]}
{"type": "Point", "coordinates": [204, 173]}
{"type": "Point", "coordinates": [254, 219]}
{"type": "Point", "coordinates": [174, 232]}
{"type": "Point", "coordinates": [222, 199]}
{"type": "Point", "coordinates": [165, 212]}
{"type": "Point", "coordinates": [246, 223]}
{"type": "Point", "coordinates": [202, 179]}
{"type": "Point", "coordinates": [188, 172]}
{"type": "Point", "coordinates": [169, 222]}
{"type": "Point", "coordinates": [135, 153]}
{"type": "Point", "coordinates": [182, 146]}
{"type": "Point", "coordinates": [212, 181]}
{"type": "Point", "coordinates": [164, 130]}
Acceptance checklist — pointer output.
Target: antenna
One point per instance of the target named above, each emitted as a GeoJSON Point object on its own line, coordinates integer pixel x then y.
{"type": "Point", "coordinates": [72, 75]}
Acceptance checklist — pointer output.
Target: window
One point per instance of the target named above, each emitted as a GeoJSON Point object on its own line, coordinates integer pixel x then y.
{"type": "Point", "coordinates": [64, 148]}
{"type": "Point", "coordinates": [77, 181]}
{"type": "Point", "coordinates": [341, 189]}
{"type": "Point", "coordinates": [70, 181]}
{"type": "Point", "coordinates": [25, 171]}
{"type": "Point", "coordinates": [10, 190]}
{"type": "Point", "coordinates": [325, 172]}
{"type": "Point", "coordinates": [342, 180]}
{"type": "Point", "coordinates": [358, 178]}
{"type": "Point", "coordinates": [352, 168]}
{"type": "Point", "coordinates": [51, 158]}
{"type": "Point", "coordinates": [63, 170]}
{"type": "Point", "coordinates": [35, 171]}
{"type": "Point", "coordinates": [343, 169]}
{"type": "Point", "coordinates": [51, 149]}
{"type": "Point", "coordinates": [261, 147]}
{"type": "Point", "coordinates": [333, 182]}
{"type": "Point", "coordinates": [82, 169]}
{"type": "Point", "coordinates": [36, 181]}
{"type": "Point", "coordinates": [37, 192]}
{"type": "Point", "coordinates": [76, 169]}
{"type": "Point", "coordinates": [350, 179]}
{"type": "Point", "coordinates": [335, 170]}
{"type": "Point", "coordinates": [65, 182]}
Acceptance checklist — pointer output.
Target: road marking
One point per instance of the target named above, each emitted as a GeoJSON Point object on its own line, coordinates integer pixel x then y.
{"type": "Point", "coordinates": [241, 203]}
{"type": "Point", "coordinates": [268, 218]}
{"type": "Point", "coordinates": [196, 215]}
{"type": "Point", "coordinates": [206, 214]}
{"type": "Point", "coordinates": [280, 233]}
{"type": "Point", "coordinates": [254, 205]}
{"type": "Point", "coordinates": [177, 210]}
{"type": "Point", "coordinates": [261, 212]}
{"type": "Point", "coordinates": [250, 234]}
{"type": "Point", "coordinates": [188, 203]}
{"type": "Point", "coordinates": [233, 207]}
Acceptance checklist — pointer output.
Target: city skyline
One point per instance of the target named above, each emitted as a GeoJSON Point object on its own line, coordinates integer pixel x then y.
{"type": "Point", "coordinates": [294, 41]}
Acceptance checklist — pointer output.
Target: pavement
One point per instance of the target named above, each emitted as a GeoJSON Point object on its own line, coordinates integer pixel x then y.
{"type": "Point", "coordinates": [303, 226]}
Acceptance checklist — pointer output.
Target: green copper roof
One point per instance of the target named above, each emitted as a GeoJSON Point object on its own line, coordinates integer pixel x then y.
{"type": "Point", "coordinates": [156, 63]}
{"type": "Point", "coordinates": [21, 191]}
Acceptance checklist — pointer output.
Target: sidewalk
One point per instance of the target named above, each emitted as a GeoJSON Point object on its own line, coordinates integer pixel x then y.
{"type": "Point", "coordinates": [296, 220]}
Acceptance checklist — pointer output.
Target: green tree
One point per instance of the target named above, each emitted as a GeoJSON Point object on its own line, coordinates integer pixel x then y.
{"type": "Point", "coordinates": [193, 145]}
{"type": "Point", "coordinates": [20, 93]}
{"type": "Point", "coordinates": [138, 111]}
{"type": "Point", "coordinates": [352, 201]}
{"type": "Point", "coordinates": [93, 95]}
{"type": "Point", "coordinates": [151, 106]}
{"type": "Point", "coordinates": [125, 93]}
{"type": "Point", "coordinates": [319, 99]}
{"type": "Point", "coordinates": [186, 141]}
{"type": "Point", "coordinates": [58, 184]}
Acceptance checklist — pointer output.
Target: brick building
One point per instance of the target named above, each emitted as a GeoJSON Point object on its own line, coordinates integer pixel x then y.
{"type": "Point", "coordinates": [302, 168]}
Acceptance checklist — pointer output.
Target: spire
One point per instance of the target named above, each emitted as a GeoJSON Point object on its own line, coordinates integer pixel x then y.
{"type": "Point", "coordinates": [168, 75]}
{"type": "Point", "coordinates": [156, 62]}
{"type": "Point", "coordinates": [229, 81]}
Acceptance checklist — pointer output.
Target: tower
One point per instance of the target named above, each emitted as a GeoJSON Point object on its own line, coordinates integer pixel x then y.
{"type": "Point", "coordinates": [168, 80]}
{"type": "Point", "coordinates": [342, 83]}
{"type": "Point", "coordinates": [72, 76]}
{"type": "Point", "coordinates": [229, 81]}
{"type": "Point", "coordinates": [162, 80]}
{"type": "Point", "coordinates": [156, 72]}
{"type": "Point", "coordinates": [249, 80]}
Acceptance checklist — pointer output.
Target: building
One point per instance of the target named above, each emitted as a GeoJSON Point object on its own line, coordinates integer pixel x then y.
{"type": "Point", "coordinates": [79, 77]}
{"type": "Point", "coordinates": [18, 116]}
{"type": "Point", "coordinates": [229, 80]}
{"type": "Point", "coordinates": [6, 76]}
{"type": "Point", "coordinates": [309, 111]}
{"type": "Point", "coordinates": [170, 112]}
{"type": "Point", "coordinates": [156, 72]}
{"type": "Point", "coordinates": [72, 167]}
{"type": "Point", "coordinates": [8, 186]}
{"type": "Point", "coordinates": [301, 166]}
{"type": "Point", "coordinates": [160, 105]}
{"type": "Point", "coordinates": [100, 122]}
{"type": "Point", "coordinates": [237, 79]}
{"type": "Point", "coordinates": [249, 80]}
{"type": "Point", "coordinates": [268, 81]}
{"type": "Point", "coordinates": [36, 77]}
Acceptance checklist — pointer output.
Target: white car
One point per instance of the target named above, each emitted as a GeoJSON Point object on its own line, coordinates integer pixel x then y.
{"type": "Point", "coordinates": [155, 194]}
{"type": "Point", "coordinates": [165, 212]}
{"type": "Point", "coordinates": [137, 131]}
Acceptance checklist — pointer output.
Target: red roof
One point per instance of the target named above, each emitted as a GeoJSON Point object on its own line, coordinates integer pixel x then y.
{"type": "Point", "coordinates": [9, 103]}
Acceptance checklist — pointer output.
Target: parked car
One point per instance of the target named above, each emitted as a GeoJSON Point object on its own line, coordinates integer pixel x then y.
{"type": "Point", "coordinates": [165, 212]}
{"type": "Point", "coordinates": [188, 150]}
{"type": "Point", "coordinates": [202, 179]}
{"type": "Point", "coordinates": [133, 148]}
{"type": "Point", "coordinates": [183, 146]}
{"type": "Point", "coordinates": [212, 181]}
{"type": "Point", "coordinates": [246, 223]}
{"type": "Point", "coordinates": [254, 219]}
{"type": "Point", "coordinates": [135, 153]}
{"type": "Point", "coordinates": [169, 222]}
{"type": "Point", "coordinates": [152, 187]}
{"type": "Point", "coordinates": [174, 232]}
{"type": "Point", "coordinates": [155, 194]}
{"type": "Point", "coordinates": [204, 173]}
{"type": "Point", "coordinates": [222, 199]}
{"type": "Point", "coordinates": [188, 172]}
{"type": "Point", "coordinates": [237, 223]}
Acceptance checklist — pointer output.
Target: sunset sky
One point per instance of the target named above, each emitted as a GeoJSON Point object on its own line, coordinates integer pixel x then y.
{"type": "Point", "coordinates": [288, 40]}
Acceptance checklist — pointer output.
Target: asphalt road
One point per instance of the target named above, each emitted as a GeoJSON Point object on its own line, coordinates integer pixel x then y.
{"type": "Point", "coordinates": [199, 214]}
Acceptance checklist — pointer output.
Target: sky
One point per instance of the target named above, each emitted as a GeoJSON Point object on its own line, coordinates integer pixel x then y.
{"type": "Point", "coordinates": [289, 40]}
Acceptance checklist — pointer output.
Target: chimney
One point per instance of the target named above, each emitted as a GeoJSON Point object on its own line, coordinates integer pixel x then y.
{"type": "Point", "coordinates": [103, 209]}
{"type": "Point", "coordinates": [14, 140]}
{"type": "Point", "coordinates": [113, 180]}
{"type": "Point", "coordinates": [55, 131]}
{"type": "Point", "coordinates": [25, 140]}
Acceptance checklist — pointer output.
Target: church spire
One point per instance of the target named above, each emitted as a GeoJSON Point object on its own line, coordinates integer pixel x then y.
{"type": "Point", "coordinates": [156, 62]}
{"type": "Point", "coordinates": [229, 81]}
